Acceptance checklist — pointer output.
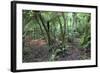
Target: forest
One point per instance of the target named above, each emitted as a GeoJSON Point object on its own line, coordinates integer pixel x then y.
{"type": "Point", "coordinates": [55, 36]}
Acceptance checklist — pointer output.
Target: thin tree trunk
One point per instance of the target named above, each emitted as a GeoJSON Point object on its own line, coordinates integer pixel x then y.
{"type": "Point", "coordinates": [64, 34]}
{"type": "Point", "coordinates": [48, 33]}
{"type": "Point", "coordinates": [37, 19]}
{"type": "Point", "coordinates": [61, 28]}
{"type": "Point", "coordinates": [42, 21]}
{"type": "Point", "coordinates": [74, 21]}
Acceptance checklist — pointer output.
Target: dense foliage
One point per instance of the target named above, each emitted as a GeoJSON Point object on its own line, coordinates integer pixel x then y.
{"type": "Point", "coordinates": [56, 36]}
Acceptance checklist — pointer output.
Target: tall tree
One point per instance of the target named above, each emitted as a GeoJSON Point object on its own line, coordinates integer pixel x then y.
{"type": "Point", "coordinates": [64, 32]}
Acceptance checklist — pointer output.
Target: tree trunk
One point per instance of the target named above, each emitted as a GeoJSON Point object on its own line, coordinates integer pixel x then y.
{"type": "Point", "coordinates": [64, 34]}
{"type": "Point", "coordinates": [37, 19]}
{"type": "Point", "coordinates": [74, 21]}
{"type": "Point", "coordinates": [61, 28]}
{"type": "Point", "coordinates": [45, 27]}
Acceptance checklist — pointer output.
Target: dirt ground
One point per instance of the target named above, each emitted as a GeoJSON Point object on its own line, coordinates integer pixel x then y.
{"type": "Point", "coordinates": [41, 54]}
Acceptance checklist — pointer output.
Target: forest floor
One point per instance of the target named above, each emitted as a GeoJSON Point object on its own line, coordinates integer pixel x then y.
{"type": "Point", "coordinates": [73, 52]}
